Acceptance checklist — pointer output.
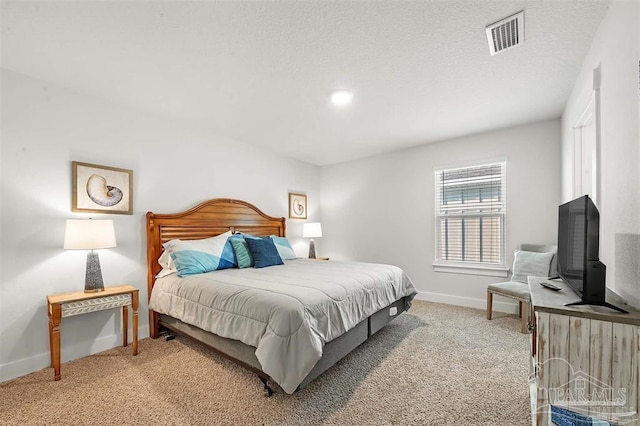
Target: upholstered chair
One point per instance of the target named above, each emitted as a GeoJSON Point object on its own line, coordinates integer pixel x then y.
{"type": "Point", "coordinates": [529, 259]}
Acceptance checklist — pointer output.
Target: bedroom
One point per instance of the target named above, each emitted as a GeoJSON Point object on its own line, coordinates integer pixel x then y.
{"type": "Point", "coordinates": [65, 107]}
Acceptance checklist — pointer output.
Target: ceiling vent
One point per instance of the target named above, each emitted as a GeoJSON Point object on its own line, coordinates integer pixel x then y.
{"type": "Point", "coordinates": [506, 33]}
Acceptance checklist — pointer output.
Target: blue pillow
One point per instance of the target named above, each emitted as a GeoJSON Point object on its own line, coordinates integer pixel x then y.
{"type": "Point", "coordinates": [199, 256]}
{"type": "Point", "coordinates": [264, 252]}
{"type": "Point", "coordinates": [284, 248]}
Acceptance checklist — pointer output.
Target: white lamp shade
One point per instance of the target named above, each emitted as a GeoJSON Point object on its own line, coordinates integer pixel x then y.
{"type": "Point", "coordinates": [311, 230]}
{"type": "Point", "coordinates": [89, 234]}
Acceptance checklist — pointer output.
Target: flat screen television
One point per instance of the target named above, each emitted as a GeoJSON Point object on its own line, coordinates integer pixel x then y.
{"type": "Point", "coordinates": [578, 252]}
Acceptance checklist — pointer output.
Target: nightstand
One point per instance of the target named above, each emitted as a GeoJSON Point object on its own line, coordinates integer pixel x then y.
{"type": "Point", "coordinates": [78, 302]}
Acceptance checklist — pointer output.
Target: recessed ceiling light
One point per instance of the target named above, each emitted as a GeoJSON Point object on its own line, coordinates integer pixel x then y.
{"type": "Point", "coordinates": [341, 97]}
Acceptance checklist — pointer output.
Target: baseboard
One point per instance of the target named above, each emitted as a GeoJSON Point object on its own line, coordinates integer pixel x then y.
{"type": "Point", "coordinates": [25, 366]}
{"type": "Point", "coordinates": [498, 306]}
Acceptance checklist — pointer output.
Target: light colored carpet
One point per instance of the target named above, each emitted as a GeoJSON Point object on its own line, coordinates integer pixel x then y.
{"type": "Point", "coordinates": [434, 365]}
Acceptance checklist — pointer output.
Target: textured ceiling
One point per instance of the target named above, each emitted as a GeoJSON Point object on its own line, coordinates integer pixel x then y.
{"type": "Point", "coordinates": [262, 72]}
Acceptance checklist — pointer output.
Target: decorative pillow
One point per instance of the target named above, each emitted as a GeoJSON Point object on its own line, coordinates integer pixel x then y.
{"type": "Point", "coordinates": [532, 263]}
{"type": "Point", "coordinates": [199, 256]}
{"type": "Point", "coordinates": [264, 252]}
{"type": "Point", "coordinates": [284, 248]}
{"type": "Point", "coordinates": [241, 250]}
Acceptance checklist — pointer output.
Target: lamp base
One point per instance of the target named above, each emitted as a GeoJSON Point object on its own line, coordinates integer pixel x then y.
{"type": "Point", "coordinates": [312, 249]}
{"type": "Point", "coordinates": [93, 276]}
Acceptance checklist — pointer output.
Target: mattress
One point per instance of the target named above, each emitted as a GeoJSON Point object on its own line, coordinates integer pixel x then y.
{"type": "Point", "coordinates": [287, 312]}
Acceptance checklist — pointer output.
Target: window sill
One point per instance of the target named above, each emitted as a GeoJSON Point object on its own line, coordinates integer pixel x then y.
{"type": "Point", "coordinates": [490, 271]}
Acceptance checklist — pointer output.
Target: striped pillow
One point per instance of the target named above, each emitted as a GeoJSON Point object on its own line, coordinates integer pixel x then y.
{"type": "Point", "coordinates": [200, 256]}
{"type": "Point", "coordinates": [241, 250]}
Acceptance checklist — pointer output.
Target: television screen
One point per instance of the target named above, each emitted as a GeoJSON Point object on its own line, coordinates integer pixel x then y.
{"type": "Point", "coordinates": [572, 241]}
{"type": "Point", "coordinates": [578, 252]}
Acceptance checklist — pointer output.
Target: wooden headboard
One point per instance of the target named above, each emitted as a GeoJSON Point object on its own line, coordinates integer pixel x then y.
{"type": "Point", "coordinates": [207, 219]}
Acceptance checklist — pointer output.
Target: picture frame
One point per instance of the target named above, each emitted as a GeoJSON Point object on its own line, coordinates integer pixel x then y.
{"type": "Point", "coordinates": [101, 189]}
{"type": "Point", "coordinates": [297, 206]}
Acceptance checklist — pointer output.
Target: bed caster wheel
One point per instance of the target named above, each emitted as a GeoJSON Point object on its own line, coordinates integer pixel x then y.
{"type": "Point", "coordinates": [168, 335]}
{"type": "Point", "coordinates": [268, 390]}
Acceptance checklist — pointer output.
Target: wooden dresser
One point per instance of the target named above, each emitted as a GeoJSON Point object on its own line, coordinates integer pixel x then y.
{"type": "Point", "coordinates": [583, 358]}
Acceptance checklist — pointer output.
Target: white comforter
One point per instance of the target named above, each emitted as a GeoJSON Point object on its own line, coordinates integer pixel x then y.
{"type": "Point", "coordinates": [288, 312]}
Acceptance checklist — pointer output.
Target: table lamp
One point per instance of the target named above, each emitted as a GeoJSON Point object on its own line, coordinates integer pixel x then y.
{"type": "Point", "coordinates": [312, 230]}
{"type": "Point", "coordinates": [89, 234]}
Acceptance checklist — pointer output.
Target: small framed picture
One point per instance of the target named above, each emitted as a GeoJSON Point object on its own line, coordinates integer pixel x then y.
{"type": "Point", "coordinates": [297, 206]}
{"type": "Point", "coordinates": [101, 189]}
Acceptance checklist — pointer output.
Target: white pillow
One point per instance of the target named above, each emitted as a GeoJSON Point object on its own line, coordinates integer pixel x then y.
{"type": "Point", "coordinates": [532, 263]}
{"type": "Point", "coordinates": [166, 261]}
{"type": "Point", "coordinates": [166, 272]}
{"type": "Point", "coordinates": [168, 267]}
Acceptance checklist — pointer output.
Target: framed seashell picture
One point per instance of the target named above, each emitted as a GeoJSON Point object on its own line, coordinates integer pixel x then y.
{"type": "Point", "coordinates": [101, 189]}
{"type": "Point", "coordinates": [297, 206]}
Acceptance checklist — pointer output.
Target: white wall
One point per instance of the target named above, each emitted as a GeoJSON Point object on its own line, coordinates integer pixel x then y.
{"type": "Point", "coordinates": [175, 165]}
{"type": "Point", "coordinates": [616, 49]}
{"type": "Point", "coordinates": [381, 209]}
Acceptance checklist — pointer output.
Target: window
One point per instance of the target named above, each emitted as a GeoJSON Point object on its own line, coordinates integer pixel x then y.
{"type": "Point", "coordinates": [470, 215]}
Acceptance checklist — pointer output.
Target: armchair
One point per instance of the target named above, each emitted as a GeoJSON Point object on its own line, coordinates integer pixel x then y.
{"type": "Point", "coordinates": [530, 259]}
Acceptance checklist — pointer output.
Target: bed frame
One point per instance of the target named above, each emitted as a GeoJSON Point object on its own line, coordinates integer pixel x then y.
{"type": "Point", "coordinates": [214, 217]}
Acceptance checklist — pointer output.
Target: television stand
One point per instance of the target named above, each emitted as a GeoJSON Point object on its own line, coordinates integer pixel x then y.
{"type": "Point", "coordinates": [605, 304]}
{"type": "Point", "coordinates": [583, 358]}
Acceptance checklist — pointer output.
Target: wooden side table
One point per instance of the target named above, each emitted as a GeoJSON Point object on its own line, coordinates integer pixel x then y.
{"type": "Point", "coordinates": [78, 302]}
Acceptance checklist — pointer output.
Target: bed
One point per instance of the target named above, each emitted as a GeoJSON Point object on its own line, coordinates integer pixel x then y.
{"type": "Point", "coordinates": [287, 323]}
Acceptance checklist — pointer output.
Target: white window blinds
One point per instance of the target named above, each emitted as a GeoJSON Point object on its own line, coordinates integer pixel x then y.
{"type": "Point", "coordinates": [470, 214]}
